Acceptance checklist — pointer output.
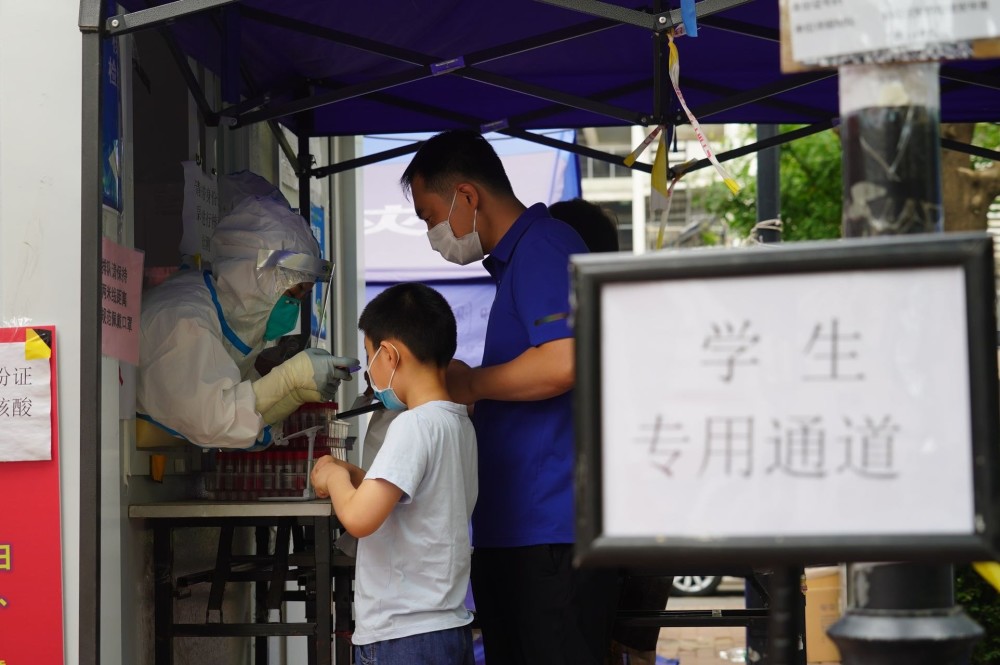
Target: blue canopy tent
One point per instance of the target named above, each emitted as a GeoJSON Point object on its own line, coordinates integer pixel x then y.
{"type": "Point", "coordinates": [327, 69]}
{"type": "Point", "coordinates": [340, 69]}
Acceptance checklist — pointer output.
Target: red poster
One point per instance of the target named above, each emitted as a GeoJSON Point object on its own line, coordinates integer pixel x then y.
{"type": "Point", "coordinates": [31, 625]}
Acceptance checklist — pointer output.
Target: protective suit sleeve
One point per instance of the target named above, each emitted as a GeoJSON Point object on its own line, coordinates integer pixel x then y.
{"type": "Point", "coordinates": [312, 375]}
{"type": "Point", "coordinates": [188, 383]}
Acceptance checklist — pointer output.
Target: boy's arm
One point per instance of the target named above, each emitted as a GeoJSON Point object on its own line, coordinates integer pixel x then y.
{"type": "Point", "coordinates": [356, 472]}
{"type": "Point", "coordinates": [361, 510]}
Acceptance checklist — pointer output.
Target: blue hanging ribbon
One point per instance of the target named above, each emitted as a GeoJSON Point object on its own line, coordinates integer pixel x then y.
{"type": "Point", "coordinates": [689, 17]}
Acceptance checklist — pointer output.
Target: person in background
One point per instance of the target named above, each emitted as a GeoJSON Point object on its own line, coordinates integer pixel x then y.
{"type": "Point", "coordinates": [202, 331]}
{"type": "Point", "coordinates": [594, 224]}
{"type": "Point", "coordinates": [410, 511]}
{"type": "Point", "coordinates": [632, 644]}
{"type": "Point", "coordinates": [531, 604]}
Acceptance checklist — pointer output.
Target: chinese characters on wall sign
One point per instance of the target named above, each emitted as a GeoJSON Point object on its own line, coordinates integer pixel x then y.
{"type": "Point", "coordinates": [25, 403]}
{"type": "Point", "coordinates": [121, 293]}
{"type": "Point", "coordinates": [776, 404]}
{"type": "Point", "coordinates": [200, 212]}
{"type": "Point", "coordinates": [30, 554]}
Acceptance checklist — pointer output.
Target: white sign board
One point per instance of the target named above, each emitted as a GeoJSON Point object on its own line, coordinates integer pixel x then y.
{"type": "Point", "coordinates": [788, 405]}
{"type": "Point", "coordinates": [827, 401]}
{"type": "Point", "coordinates": [823, 29]}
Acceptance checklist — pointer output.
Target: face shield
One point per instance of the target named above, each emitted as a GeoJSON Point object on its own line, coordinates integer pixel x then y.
{"type": "Point", "coordinates": [288, 268]}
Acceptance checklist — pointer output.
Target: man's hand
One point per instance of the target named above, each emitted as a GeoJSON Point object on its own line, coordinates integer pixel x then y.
{"type": "Point", "coordinates": [459, 379]}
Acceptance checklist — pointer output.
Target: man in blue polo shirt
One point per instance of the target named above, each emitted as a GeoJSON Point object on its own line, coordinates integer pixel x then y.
{"type": "Point", "coordinates": [532, 606]}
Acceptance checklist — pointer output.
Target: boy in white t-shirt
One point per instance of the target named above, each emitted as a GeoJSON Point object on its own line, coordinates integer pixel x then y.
{"type": "Point", "coordinates": [411, 509]}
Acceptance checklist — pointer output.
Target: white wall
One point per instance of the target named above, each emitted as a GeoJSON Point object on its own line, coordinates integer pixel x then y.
{"type": "Point", "coordinates": [40, 110]}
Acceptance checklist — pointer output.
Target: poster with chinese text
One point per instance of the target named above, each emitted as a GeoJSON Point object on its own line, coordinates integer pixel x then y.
{"type": "Point", "coordinates": [121, 294]}
{"type": "Point", "coordinates": [31, 627]}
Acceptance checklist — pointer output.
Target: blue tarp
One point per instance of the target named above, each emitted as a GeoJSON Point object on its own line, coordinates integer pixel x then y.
{"type": "Point", "coordinates": [395, 44]}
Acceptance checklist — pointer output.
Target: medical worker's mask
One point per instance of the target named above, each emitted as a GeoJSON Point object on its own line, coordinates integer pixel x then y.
{"type": "Point", "coordinates": [387, 396]}
{"type": "Point", "coordinates": [462, 251]}
{"type": "Point", "coordinates": [283, 317]}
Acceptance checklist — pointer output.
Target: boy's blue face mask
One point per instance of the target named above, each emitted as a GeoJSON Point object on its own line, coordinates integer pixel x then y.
{"type": "Point", "coordinates": [388, 395]}
{"type": "Point", "coordinates": [283, 317]}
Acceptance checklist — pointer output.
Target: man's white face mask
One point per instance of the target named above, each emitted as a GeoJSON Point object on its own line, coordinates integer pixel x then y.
{"type": "Point", "coordinates": [462, 251]}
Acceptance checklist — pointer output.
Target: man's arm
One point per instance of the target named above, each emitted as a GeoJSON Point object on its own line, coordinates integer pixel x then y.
{"type": "Point", "coordinates": [539, 373]}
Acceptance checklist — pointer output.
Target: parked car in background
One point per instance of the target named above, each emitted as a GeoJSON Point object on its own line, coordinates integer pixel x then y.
{"type": "Point", "coordinates": [705, 585]}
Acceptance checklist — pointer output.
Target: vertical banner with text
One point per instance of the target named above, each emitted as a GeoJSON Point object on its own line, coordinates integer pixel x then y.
{"type": "Point", "coordinates": [31, 627]}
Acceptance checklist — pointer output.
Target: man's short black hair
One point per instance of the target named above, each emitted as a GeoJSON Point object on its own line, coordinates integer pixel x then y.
{"type": "Point", "coordinates": [594, 224]}
{"type": "Point", "coordinates": [416, 315]}
{"type": "Point", "coordinates": [453, 156]}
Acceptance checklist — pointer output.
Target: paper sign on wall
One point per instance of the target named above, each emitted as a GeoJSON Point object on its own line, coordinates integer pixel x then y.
{"type": "Point", "coordinates": [822, 31]}
{"type": "Point", "coordinates": [31, 614]}
{"type": "Point", "coordinates": [25, 397]}
{"type": "Point", "coordinates": [200, 214]}
{"type": "Point", "coordinates": [121, 299]}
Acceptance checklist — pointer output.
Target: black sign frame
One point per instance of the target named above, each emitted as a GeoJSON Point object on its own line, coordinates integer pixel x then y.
{"type": "Point", "coordinates": [973, 252]}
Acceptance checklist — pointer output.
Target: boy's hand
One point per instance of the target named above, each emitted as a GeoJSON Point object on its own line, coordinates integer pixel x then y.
{"type": "Point", "coordinates": [459, 379]}
{"type": "Point", "coordinates": [320, 475]}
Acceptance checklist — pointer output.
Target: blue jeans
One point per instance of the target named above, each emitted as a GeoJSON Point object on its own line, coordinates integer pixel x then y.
{"type": "Point", "coordinates": [441, 647]}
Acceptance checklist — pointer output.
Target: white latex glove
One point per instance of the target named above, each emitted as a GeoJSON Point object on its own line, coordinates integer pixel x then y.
{"type": "Point", "coordinates": [312, 375]}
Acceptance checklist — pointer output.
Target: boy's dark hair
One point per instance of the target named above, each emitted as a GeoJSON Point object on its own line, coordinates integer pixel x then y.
{"type": "Point", "coordinates": [450, 157]}
{"type": "Point", "coordinates": [416, 315]}
{"type": "Point", "coordinates": [597, 228]}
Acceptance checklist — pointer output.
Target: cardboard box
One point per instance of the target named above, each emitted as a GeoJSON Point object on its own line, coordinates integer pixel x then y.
{"type": "Point", "coordinates": [822, 611]}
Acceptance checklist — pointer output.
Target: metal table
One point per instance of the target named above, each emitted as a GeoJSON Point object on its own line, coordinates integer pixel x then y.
{"type": "Point", "coordinates": [267, 569]}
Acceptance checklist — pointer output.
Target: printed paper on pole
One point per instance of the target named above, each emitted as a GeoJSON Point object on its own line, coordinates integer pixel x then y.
{"type": "Point", "coordinates": [121, 297]}
{"type": "Point", "coordinates": [200, 213]}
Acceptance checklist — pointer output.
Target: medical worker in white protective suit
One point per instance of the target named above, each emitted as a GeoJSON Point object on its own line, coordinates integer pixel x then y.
{"type": "Point", "coordinates": [201, 333]}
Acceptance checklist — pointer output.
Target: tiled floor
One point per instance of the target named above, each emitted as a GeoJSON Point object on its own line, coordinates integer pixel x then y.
{"type": "Point", "coordinates": [704, 646]}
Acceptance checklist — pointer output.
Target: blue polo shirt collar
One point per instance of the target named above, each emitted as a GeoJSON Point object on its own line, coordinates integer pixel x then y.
{"type": "Point", "coordinates": [500, 256]}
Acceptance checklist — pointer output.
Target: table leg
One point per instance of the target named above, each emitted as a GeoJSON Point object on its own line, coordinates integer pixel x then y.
{"type": "Point", "coordinates": [263, 541]}
{"type": "Point", "coordinates": [163, 600]}
{"type": "Point", "coordinates": [343, 598]}
{"type": "Point", "coordinates": [223, 566]}
{"type": "Point", "coordinates": [323, 545]}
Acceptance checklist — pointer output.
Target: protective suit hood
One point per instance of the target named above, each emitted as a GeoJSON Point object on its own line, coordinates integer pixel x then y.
{"type": "Point", "coordinates": [246, 184]}
{"type": "Point", "coordinates": [246, 292]}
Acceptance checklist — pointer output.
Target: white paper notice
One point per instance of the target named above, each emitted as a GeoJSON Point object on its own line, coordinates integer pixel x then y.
{"type": "Point", "coordinates": [200, 213]}
{"type": "Point", "coordinates": [25, 406]}
{"type": "Point", "coordinates": [787, 405]}
{"type": "Point", "coordinates": [829, 28]}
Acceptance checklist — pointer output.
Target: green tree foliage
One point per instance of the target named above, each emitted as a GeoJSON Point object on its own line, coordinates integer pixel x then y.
{"type": "Point", "coordinates": [811, 193]}
{"type": "Point", "coordinates": [980, 601]}
{"type": "Point", "coordinates": [986, 135]}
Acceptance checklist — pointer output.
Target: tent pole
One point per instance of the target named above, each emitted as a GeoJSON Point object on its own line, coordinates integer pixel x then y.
{"type": "Point", "coordinates": [768, 184]}
{"type": "Point", "coordinates": [159, 16]}
{"type": "Point", "coordinates": [91, 15]}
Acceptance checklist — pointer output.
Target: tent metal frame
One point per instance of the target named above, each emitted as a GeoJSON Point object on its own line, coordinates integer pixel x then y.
{"type": "Point", "coordinates": [266, 107]}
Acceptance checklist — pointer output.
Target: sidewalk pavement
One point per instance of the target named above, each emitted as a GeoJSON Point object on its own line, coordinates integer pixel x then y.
{"type": "Point", "coordinates": [703, 645]}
